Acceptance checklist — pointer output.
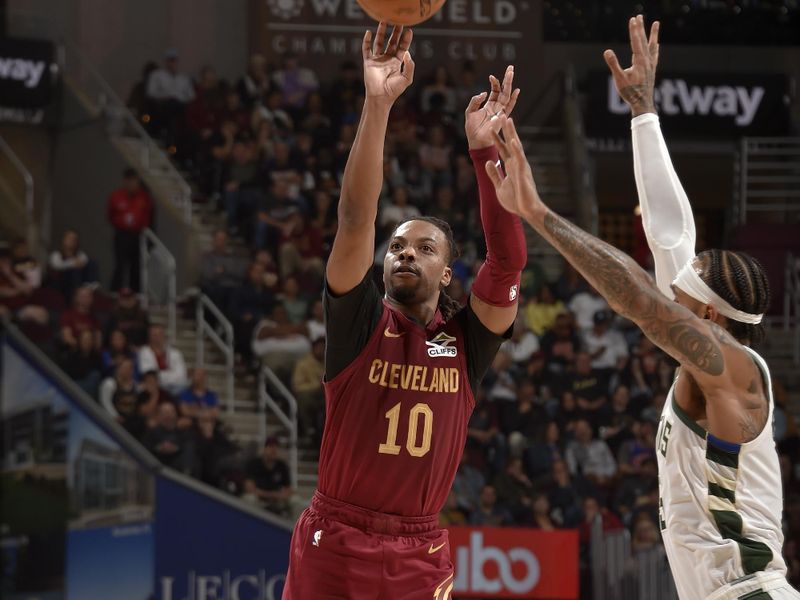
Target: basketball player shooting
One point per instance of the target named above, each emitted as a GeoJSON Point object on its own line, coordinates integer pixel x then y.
{"type": "Point", "coordinates": [400, 369]}
{"type": "Point", "coordinates": [719, 476]}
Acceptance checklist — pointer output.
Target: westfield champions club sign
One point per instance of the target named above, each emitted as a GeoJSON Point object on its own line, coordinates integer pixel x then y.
{"type": "Point", "coordinates": [325, 33]}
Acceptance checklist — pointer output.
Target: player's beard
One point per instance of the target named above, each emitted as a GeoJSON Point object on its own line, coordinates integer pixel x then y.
{"type": "Point", "coordinates": [405, 294]}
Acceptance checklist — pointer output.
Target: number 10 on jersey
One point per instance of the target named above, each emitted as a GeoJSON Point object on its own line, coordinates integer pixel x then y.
{"type": "Point", "coordinates": [414, 446]}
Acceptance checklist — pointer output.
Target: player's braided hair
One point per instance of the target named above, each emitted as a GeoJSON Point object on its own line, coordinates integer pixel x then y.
{"type": "Point", "coordinates": [447, 305]}
{"type": "Point", "coordinates": [739, 279]}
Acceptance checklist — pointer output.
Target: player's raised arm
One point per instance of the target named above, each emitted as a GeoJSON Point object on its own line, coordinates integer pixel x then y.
{"type": "Point", "coordinates": [666, 212]}
{"type": "Point", "coordinates": [388, 71]}
{"type": "Point", "coordinates": [495, 293]}
{"type": "Point", "coordinates": [709, 353]}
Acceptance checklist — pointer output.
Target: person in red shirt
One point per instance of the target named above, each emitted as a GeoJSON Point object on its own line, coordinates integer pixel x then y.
{"type": "Point", "coordinates": [130, 211]}
{"type": "Point", "coordinates": [401, 370]}
{"type": "Point", "coordinates": [79, 318]}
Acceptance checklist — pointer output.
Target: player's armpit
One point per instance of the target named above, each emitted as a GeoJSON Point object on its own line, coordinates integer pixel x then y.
{"type": "Point", "coordinates": [496, 319]}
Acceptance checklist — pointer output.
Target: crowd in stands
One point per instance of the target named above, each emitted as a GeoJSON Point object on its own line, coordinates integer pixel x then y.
{"type": "Point", "coordinates": [563, 433]}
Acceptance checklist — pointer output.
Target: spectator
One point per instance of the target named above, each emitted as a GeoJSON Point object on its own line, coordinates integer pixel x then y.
{"type": "Point", "coordinates": [441, 86]}
{"type": "Point", "coordinates": [544, 450]}
{"type": "Point", "coordinates": [589, 387]}
{"type": "Point", "coordinates": [307, 387]}
{"type": "Point", "coordinates": [633, 489]}
{"type": "Point", "coordinates": [584, 305]}
{"type": "Point", "coordinates": [69, 266]}
{"type": "Point", "coordinates": [451, 514]}
{"type": "Point", "coordinates": [315, 320]}
{"type": "Point", "coordinates": [489, 513]}
{"type": "Point", "coordinates": [278, 342]}
{"type": "Point", "coordinates": [295, 305]}
{"type": "Point", "coordinates": [467, 486]}
{"type": "Point", "coordinates": [126, 406]}
{"type": "Point", "coordinates": [445, 208]}
{"type": "Point", "coordinates": [560, 345]}
{"type": "Point", "coordinates": [565, 494]}
{"type": "Point", "coordinates": [220, 270]}
{"type": "Point", "coordinates": [522, 420]}
{"type": "Point", "coordinates": [197, 400]}
{"type": "Point", "coordinates": [168, 93]}
{"type": "Point", "coordinates": [277, 217]}
{"type": "Point", "coordinates": [593, 512]}
{"type": "Point", "coordinates": [242, 185]}
{"type": "Point", "coordinates": [159, 356]}
{"type": "Point", "coordinates": [168, 443]}
{"type": "Point", "coordinates": [24, 264]}
{"type": "Point", "coordinates": [484, 440]}
{"type": "Point", "coordinates": [249, 303]}
{"type": "Point", "coordinates": [616, 423]}
{"type": "Point", "coordinates": [118, 350]}
{"type": "Point", "coordinates": [137, 98]}
{"type": "Point", "coordinates": [515, 490]}
{"type": "Point", "coordinates": [523, 342]}
{"type": "Point", "coordinates": [589, 457]}
{"type": "Point", "coordinates": [499, 380]}
{"type": "Point", "coordinates": [82, 362]}
{"type": "Point", "coordinates": [606, 347]}
{"type": "Point", "coordinates": [213, 450]}
{"type": "Point", "coordinates": [16, 299]}
{"type": "Point", "coordinates": [268, 480]}
{"type": "Point", "coordinates": [634, 452]}
{"type": "Point", "coordinates": [254, 84]}
{"type": "Point", "coordinates": [295, 82]}
{"type": "Point", "coordinates": [80, 318]}
{"type": "Point", "coordinates": [435, 157]}
{"type": "Point", "coordinates": [130, 211]}
{"type": "Point", "coordinates": [541, 312]}
{"type": "Point", "coordinates": [541, 513]}
{"type": "Point", "coordinates": [152, 395]}
{"type": "Point", "coordinates": [569, 283]}
{"type": "Point", "coordinates": [129, 317]}
{"type": "Point", "coordinates": [123, 381]}
{"type": "Point", "coordinates": [398, 209]}
{"type": "Point", "coordinates": [645, 535]}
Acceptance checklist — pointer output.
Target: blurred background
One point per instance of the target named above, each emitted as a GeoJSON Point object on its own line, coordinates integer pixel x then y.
{"type": "Point", "coordinates": [169, 175]}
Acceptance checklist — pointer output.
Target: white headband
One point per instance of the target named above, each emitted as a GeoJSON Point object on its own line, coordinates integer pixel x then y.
{"type": "Point", "coordinates": [688, 280]}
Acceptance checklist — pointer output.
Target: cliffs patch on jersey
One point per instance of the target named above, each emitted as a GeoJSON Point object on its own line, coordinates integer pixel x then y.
{"type": "Point", "coordinates": [438, 346]}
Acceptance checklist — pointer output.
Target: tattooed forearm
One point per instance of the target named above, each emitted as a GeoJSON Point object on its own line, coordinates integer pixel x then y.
{"type": "Point", "coordinates": [631, 292]}
{"type": "Point", "coordinates": [639, 97]}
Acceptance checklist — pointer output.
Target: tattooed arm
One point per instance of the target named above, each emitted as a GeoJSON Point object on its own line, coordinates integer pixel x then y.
{"type": "Point", "coordinates": [718, 364]}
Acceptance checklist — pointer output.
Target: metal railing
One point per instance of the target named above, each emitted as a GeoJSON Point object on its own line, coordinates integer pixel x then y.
{"type": "Point", "coordinates": [791, 303]}
{"type": "Point", "coordinates": [224, 343]}
{"type": "Point", "coordinates": [93, 89]}
{"type": "Point", "coordinates": [620, 574]}
{"type": "Point", "coordinates": [289, 421]}
{"type": "Point", "coordinates": [158, 280]}
{"type": "Point", "coordinates": [768, 176]}
{"type": "Point", "coordinates": [27, 178]}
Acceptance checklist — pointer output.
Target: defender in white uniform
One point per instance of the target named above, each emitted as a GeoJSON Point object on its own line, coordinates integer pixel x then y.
{"type": "Point", "coordinates": [721, 500]}
{"type": "Point", "coordinates": [720, 485]}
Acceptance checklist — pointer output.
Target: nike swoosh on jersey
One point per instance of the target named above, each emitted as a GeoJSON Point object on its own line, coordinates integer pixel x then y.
{"type": "Point", "coordinates": [431, 550]}
{"type": "Point", "coordinates": [391, 334]}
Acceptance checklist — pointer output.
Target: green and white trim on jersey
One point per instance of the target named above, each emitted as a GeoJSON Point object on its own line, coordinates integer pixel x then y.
{"type": "Point", "coordinates": [721, 502]}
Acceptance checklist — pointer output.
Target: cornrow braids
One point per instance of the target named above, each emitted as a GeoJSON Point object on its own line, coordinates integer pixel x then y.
{"type": "Point", "coordinates": [740, 280]}
{"type": "Point", "coordinates": [447, 305]}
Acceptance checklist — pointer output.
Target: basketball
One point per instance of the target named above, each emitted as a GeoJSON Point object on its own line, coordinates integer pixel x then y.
{"type": "Point", "coordinates": [401, 12]}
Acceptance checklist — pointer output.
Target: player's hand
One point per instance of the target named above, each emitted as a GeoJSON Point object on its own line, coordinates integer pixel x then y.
{"type": "Point", "coordinates": [516, 190]}
{"type": "Point", "coordinates": [636, 84]}
{"type": "Point", "coordinates": [481, 121]}
{"type": "Point", "coordinates": [388, 66]}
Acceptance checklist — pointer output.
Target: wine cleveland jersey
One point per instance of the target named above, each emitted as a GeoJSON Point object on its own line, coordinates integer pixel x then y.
{"type": "Point", "coordinates": [398, 398]}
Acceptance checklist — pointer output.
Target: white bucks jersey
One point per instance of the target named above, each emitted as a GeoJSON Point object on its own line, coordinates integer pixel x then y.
{"type": "Point", "coordinates": [720, 503]}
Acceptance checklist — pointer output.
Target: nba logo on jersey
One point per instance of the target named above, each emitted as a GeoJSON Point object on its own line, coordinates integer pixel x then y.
{"type": "Point", "coordinates": [438, 346]}
{"type": "Point", "coordinates": [317, 538]}
{"type": "Point", "coordinates": [512, 292]}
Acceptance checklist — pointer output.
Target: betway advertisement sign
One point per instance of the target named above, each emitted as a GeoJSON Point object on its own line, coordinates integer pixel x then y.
{"type": "Point", "coordinates": [27, 77]}
{"type": "Point", "coordinates": [493, 562]}
{"type": "Point", "coordinates": [727, 105]}
{"type": "Point", "coordinates": [324, 33]}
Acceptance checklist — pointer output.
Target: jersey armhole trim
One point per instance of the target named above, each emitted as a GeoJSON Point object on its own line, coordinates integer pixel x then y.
{"type": "Point", "coordinates": [687, 420]}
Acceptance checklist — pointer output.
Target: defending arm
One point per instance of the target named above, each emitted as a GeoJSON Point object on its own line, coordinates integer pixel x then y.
{"type": "Point", "coordinates": [666, 213]}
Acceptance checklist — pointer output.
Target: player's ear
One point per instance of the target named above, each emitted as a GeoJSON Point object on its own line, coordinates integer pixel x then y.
{"type": "Point", "coordinates": [710, 313]}
{"type": "Point", "coordinates": [447, 277]}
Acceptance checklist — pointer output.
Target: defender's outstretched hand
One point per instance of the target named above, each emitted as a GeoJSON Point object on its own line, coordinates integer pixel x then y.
{"type": "Point", "coordinates": [516, 190]}
{"type": "Point", "coordinates": [388, 66]}
{"type": "Point", "coordinates": [636, 84]}
{"type": "Point", "coordinates": [481, 121]}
